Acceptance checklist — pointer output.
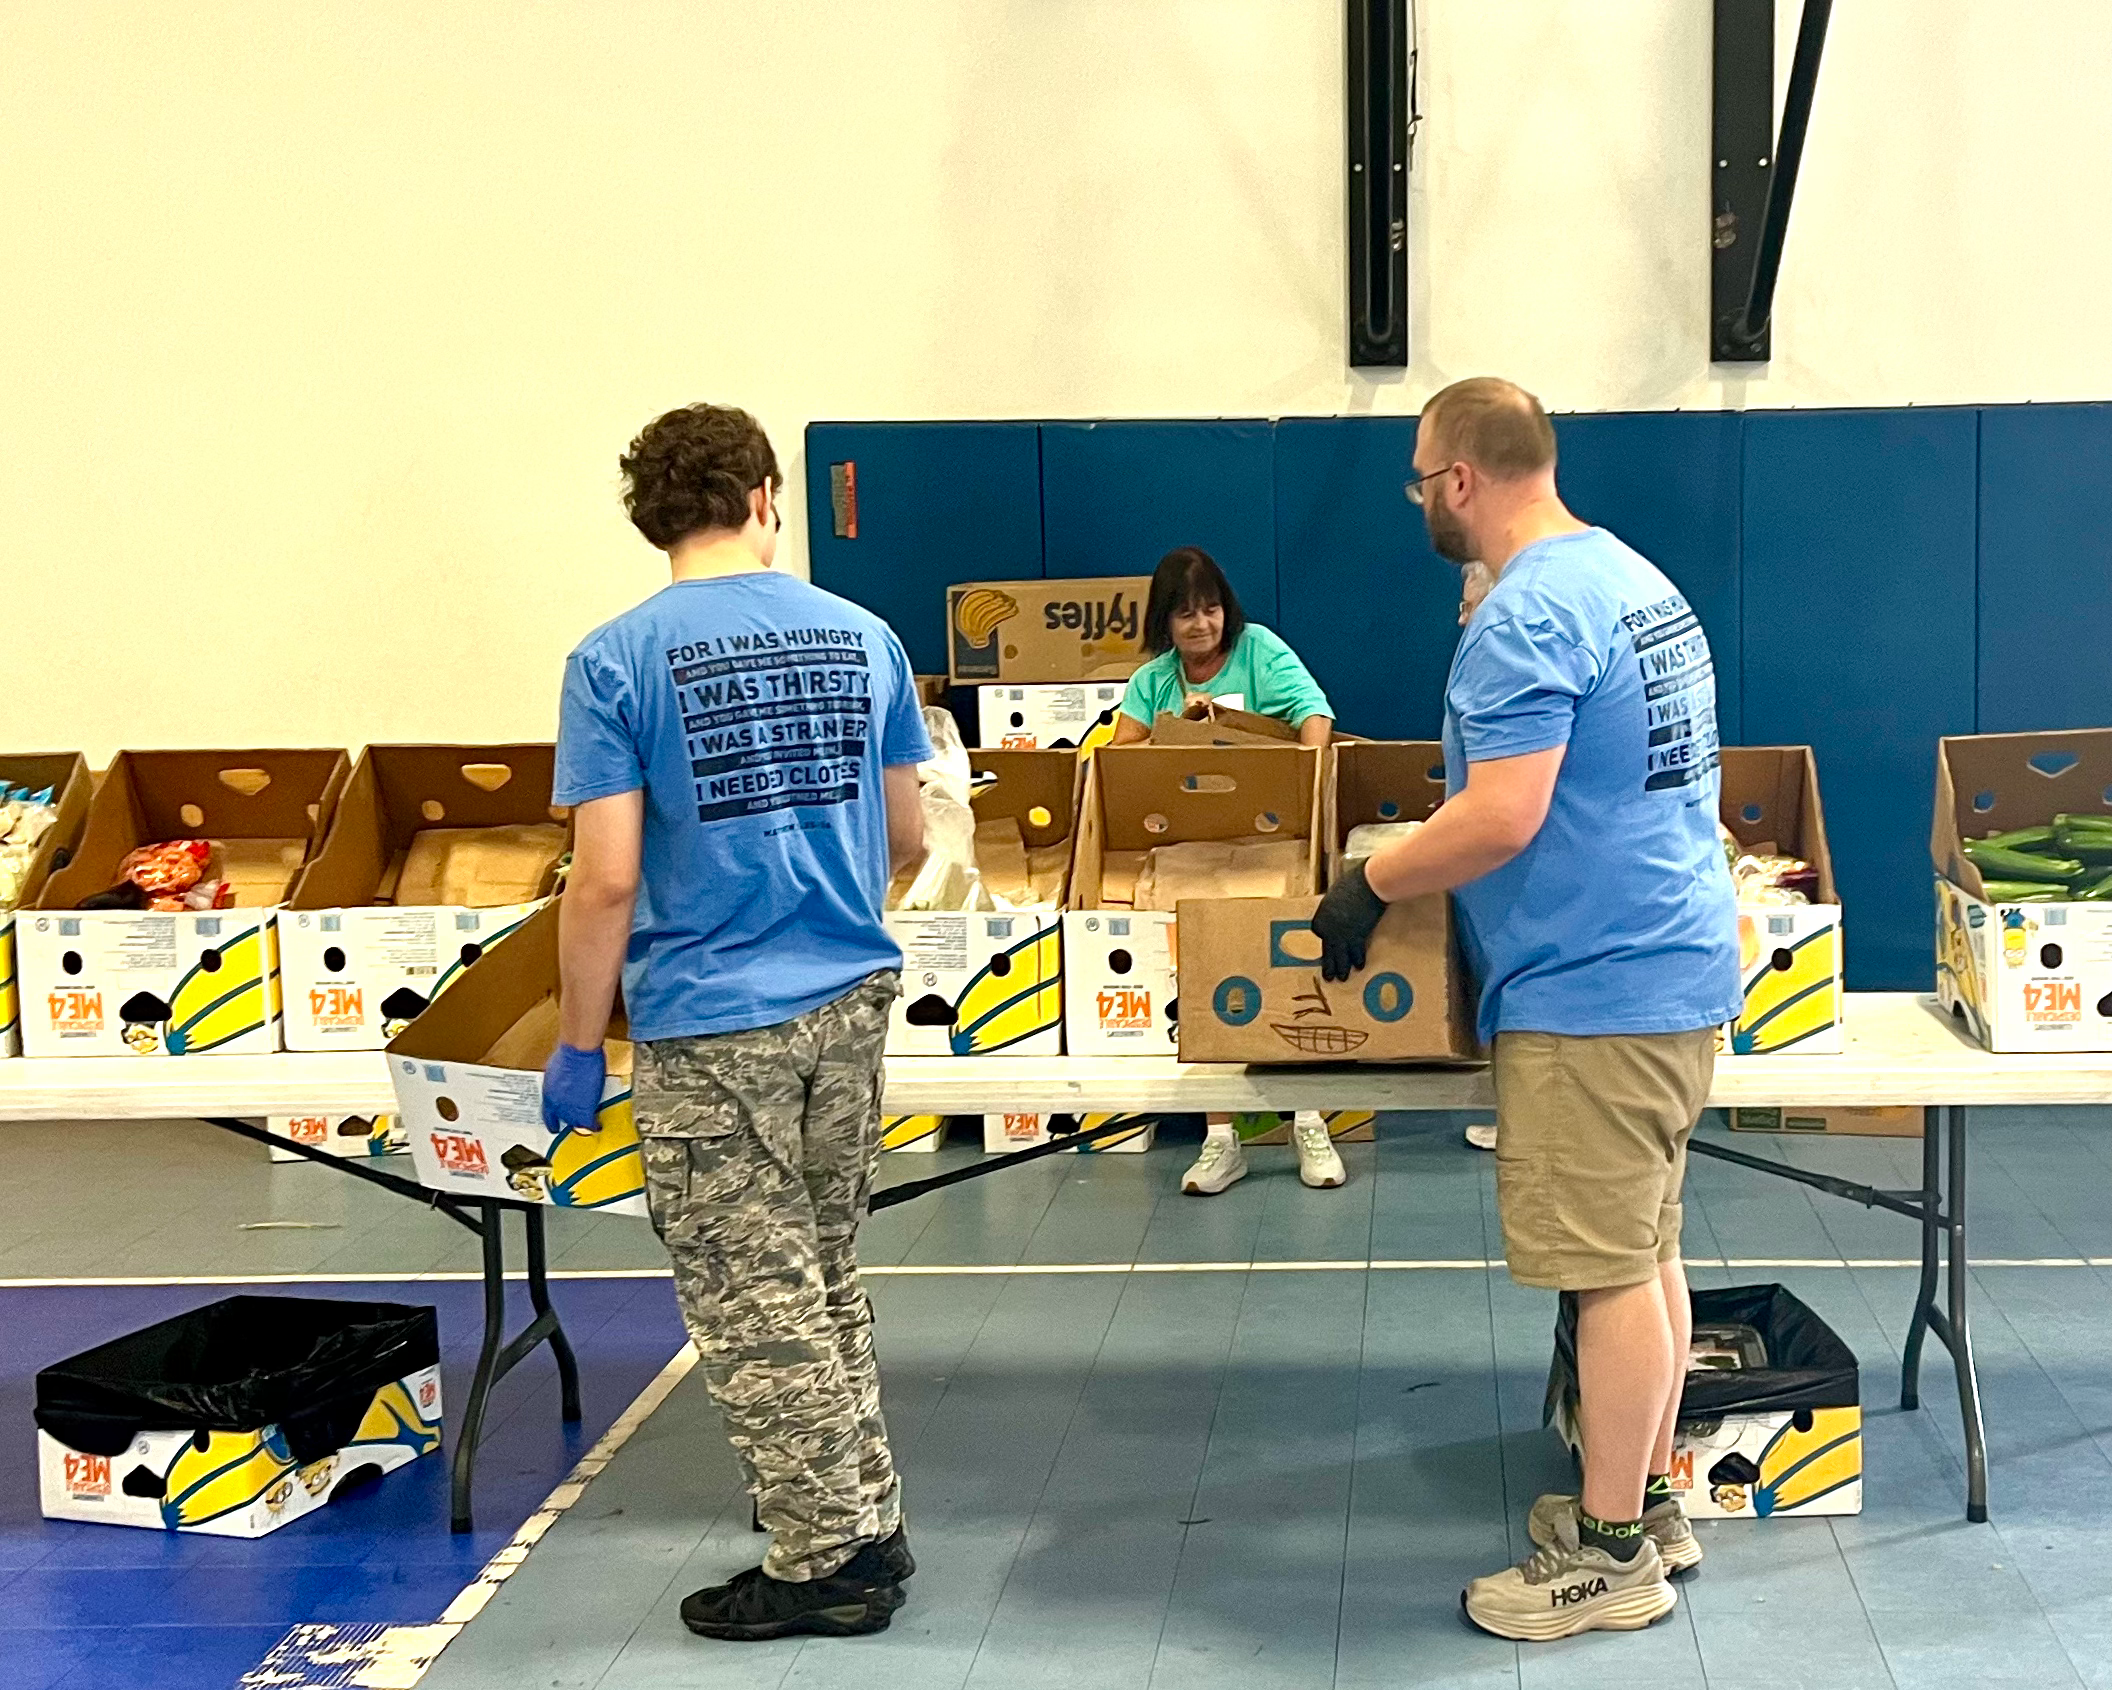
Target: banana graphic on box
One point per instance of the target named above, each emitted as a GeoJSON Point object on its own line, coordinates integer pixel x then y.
{"type": "Point", "coordinates": [583, 1170]}
{"type": "Point", "coordinates": [1799, 1465]}
{"type": "Point", "coordinates": [1785, 1006]}
{"type": "Point", "coordinates": [1018, 994]}
{"type": "Point", "coordinates": [222, 998]}
{"type": "Point", "coordinates": [980, 613]}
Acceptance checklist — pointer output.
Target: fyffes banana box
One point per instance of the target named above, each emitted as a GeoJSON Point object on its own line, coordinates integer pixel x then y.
{"type": "Point", "coordinates": [1789, 955]}
{"type": "Point", "coordinates": [235, 1484]}
{"type": "Point", "coordinates": [189, 983]}
{"type": "Point", "coordinates": [978, 984]}
{"type": "Point", "coordinates": [469, 1086]}
{"type": "Point", "coordinates": [65, 776]}
{"type": "Point", "coordinates": [371, 935]}
{"type": "Point", "coordinates": [2037, 974]}
{"type": "Point", "coordinates": [1002, 1133]}
{"type": "Point", "coordinates": [1049, 717]}
{"type": "Point", "coordinates": [1088, 629]}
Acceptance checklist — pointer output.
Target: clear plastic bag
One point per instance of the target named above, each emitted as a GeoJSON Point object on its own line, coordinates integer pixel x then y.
{"type": "Point", "coordinates": [946, 879]}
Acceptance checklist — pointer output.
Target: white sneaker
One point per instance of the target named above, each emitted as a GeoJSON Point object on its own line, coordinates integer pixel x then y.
{"type": "Point", "coordinates": [1563, 1589]}
{"type": "Point", "coordinates": [1319, 1162]}
{"type": "Point", "coordinates": [1666, 1523]}
{"type": "Point", "coordinates": [1222, 1163]}
{"type": "Point", "coordinates": [1482, 1135]}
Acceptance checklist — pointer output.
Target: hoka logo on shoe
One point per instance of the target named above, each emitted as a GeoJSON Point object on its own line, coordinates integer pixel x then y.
{"type": "Point", "coordinates": [1583, 1592]}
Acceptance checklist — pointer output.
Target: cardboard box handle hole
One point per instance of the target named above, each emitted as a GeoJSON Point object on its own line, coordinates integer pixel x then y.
{"type": "Point", "coordinates": [191, 816]}
{"type": "Point", "coordinates": [447, 1109]}
{"type": "Point", "coordinates": [1209, 783]}
{"type": "Point", "coordinates": [2052, 764]}
{"type": "Point", "coordinates": [1267, 822]}
{"type": "Point", "coordinates": [1039, 816]}
{"type": "Point", "coordinates": [487, 777]}
{"type": "Point", "coordinates": [248, 782]}
{"type": "Point", "coordinates": [433, 810]}
{"type": "Point", "coordinates": [1155, 823]}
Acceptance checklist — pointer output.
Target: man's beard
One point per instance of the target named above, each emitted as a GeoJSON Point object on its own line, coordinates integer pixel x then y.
{"type": "Point", "coordinates": [1448, 535]}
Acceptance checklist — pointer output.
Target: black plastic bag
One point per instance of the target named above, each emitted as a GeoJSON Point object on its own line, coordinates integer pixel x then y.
{"type": "Point", "coordinates": [307, 1365]}
{"type": "Point", "coordinates": [1808, 1365]}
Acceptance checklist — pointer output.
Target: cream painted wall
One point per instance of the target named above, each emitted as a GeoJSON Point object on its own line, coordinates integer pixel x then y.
{"type": "Point", "coordinates": [326, 322]}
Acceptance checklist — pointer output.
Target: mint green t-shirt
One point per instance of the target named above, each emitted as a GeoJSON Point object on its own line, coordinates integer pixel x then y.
{"type": "Point", "coordinates": [1262, 675]}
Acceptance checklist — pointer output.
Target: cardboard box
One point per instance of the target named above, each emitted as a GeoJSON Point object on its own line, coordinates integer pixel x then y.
{"type": "Point", "coordinates": [362, 946]}
{"type": "Point", "coordinates": [1226, 724]}
{"type": "Point", "coordinates": [66, 776]}
{"type": "Point", "coordinates": [1124, 997]}
{"type": "Point", "coordinates": [1371, 781]}
{"type": "Point", "coordinates": [1344, 1126]}
{"type": "Point", "coordinates": [1038, 792]}
{"type": "Point", "coordinates": [2033, 976]}
{"type": "Point", "coordinates": [978, 984]}
{"type": "Point", "coordinates": [1121, 983]}
{"type": "Point", "coordinates": [1839, 1121]}
{"type": "Point", "coordinates": [1028, 631]}
{"type": "Point", "coordinates": [117, 983]}
{"type": "Point", "coordinates": [469, 1085]}
{"type": "Point", "coordinates": [920, 1133]}
{"type": "Point", "coordinates": [1790, 957]}
{"type": "Point", "coordinates": [1079, 717]}
{"type": "Point", "coordinates": [1005, 1133]}
{"type": "Point", "coordinates": [354, 1137]}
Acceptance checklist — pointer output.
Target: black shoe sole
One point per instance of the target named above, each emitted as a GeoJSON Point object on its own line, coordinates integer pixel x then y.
{"type": "Point", "coordinates": [846, 1619]}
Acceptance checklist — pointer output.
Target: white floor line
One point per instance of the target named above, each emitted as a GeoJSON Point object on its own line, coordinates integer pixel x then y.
{"type": "Point", "coordinates": [396, 1657]}
{"type": "Point", "coordinates": [1020, 1270]}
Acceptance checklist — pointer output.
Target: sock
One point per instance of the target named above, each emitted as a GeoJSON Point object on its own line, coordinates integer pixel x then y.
{"type": "Point", "coordinates": [1221, 1129]}
{"type": "Point", "coordinates": [1659, 1489]}
{"type": "Point", "coordinates": [1622, 1539]}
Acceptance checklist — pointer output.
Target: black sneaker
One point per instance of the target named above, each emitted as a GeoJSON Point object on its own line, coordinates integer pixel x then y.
{"type": "Point", "coordinates": [753, 1607]}
{"type": "Point", "coordinates": [893, 1551]}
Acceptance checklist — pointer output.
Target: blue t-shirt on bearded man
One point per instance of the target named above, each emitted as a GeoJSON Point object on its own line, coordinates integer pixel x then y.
{"type": "Point", "coordinates": [756, 712]}
{"type": "Point", "coordinates": [1619, 917]}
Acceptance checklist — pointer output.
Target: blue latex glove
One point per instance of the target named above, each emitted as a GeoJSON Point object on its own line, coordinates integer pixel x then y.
{"type": "Point", "coordinates": [572, 1088]}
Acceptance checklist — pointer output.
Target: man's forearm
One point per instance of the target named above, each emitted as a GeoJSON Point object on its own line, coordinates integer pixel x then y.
{"type": "Point", "coordinates": [1462, 842]}
{"type": "Point", "coordinates": [593, 933]}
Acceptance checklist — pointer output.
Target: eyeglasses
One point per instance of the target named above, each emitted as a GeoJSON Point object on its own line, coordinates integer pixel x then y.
{"type": "Point", "coordinates": [1413, 487]}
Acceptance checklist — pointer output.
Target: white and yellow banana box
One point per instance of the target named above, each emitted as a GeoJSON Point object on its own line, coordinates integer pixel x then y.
{"type": "Point", "coordinates": [1790, 966]}
{"type": "Point", "coordinates": [235, 1484]}
{"type": "Point", "coordinates": [2025, 977]}
{"type": "Point", "coordinates": [978, 984]}
{"type": "Point", "coordinates": [355, 978]}
{"type": "Point", "coordinates": [920, 1133]}
{"type": "Point", "coordinates": [10, 989]}
{"type": "Point", "coordinates": [1120, 983]}
{"type": "Point", "coordinates": [1002, 1133]}
{"type": "Point", "coordinates": [468, 1076]}
{"type": "Point", "coordinates": [117, 983]}
{"type": "Point", "coordinates": [1796, 1464]}
{"type": "Point", "coordinates": [1047, 717]}
{"type": "Point", "coordinates": [1269, 1126]}
{"type": "Point", "coordinates": [354, 1137]}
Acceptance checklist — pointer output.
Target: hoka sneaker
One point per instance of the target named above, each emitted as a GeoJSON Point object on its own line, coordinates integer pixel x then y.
{"type": "Point", "coordinates": [1666, 1525]}
{"type": "Point", "coordinates": [1565, 1589]}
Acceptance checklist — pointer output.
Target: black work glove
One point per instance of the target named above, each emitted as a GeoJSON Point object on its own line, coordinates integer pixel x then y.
{"type": "Point", "coordinates": [1344, 921]}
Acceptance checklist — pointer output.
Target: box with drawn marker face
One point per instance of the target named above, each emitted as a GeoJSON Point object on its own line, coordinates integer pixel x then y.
{"type": "Point", "coordinates": [180, 983]}
{"type": "Point", "coordinates": [437, 853]}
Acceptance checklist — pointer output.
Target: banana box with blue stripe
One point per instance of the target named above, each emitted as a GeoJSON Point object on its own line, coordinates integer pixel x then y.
{"type": "Point", "coordinates": [238, 1418]}
{"type": "Point", "coordinates": [43, 808]}
{"type": "Point", "coordinates": [977, 983]}
{"type": "Point", "coordinates": [1789, 913]}
{"type": "Point", "coordinates": [436, 853]}
{"type": "Point", "coordinates": [922, 1134]}
{"type": "Point", "coordinates": [127, 981]}
{"type": "Point", "coordinates": [1048, 716]}
{"type": "Point", "coordinates": [354, 1137]}
{"type": "Point", "coordinates": [468, 1076]}
{"type": "Point", "coordinates": [1770, 1417]}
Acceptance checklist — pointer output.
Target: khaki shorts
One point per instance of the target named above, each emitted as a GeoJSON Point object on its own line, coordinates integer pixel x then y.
{"type": "Point", "coordinates": [1591, 1152]}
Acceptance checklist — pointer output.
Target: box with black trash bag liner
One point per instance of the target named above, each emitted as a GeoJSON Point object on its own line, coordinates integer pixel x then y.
{"type": "Point", "coordinates": [1770, 1421]}
{"type": "Point", "coordinates": [237, 1418]}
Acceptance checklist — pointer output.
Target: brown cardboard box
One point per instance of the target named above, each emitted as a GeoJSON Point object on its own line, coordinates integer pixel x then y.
{"type": "Point", "coordinates": [1252, 990]}
{"type": "Point", "coordinates": [2029, 976]}
{"type": "Point", "coordinates": [1789, 956]}
{"type": "Point", "coordinates": [65, 774]}
{"type": "Point", "coordinates": [265, 809]}
{"type": "Point", "coordinates": [1031, 631]}
{"type": "Point", "coordinates": [1399, 780]}
{"type": "Point", "coordinates": [1037, 793]}
{"type": "Point", "coordinates": [933, 690]}
{"type": "Point", "coordinates": [1223, 726]}
{"type": "Point", "coordinates": [1840, 1121]}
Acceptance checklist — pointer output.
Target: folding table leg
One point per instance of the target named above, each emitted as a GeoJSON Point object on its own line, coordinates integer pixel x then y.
{"type": "Point", "coordinates": [539, 1299]}
{"type": "Point", "coordinates": [1959, 1338]}
{"type": "Point", "coordinates": [1931, 1234]}
{"type": "Point", "coordinates": [463, 1470]}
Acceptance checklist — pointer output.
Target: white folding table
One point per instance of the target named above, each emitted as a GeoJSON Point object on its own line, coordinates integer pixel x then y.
{"type": "Point", "coordinates": [1901, 1052]}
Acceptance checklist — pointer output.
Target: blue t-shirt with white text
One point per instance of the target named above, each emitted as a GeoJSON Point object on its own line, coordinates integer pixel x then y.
{"type": "Point", "coordinates": [756, 713]}
{"type": "Point", "coordinates": [1619, 917]}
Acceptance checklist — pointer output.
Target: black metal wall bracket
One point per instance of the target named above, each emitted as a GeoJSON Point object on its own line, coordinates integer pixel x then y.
{"type": "Point", "coordinates": [1380, 103]}
{"type": "Point", "coordinates": [1753, 171]}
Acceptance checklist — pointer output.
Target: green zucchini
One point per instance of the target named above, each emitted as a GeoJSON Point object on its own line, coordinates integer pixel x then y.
{"type": "Point", "coordinates": [2073, 821]}
{"type": "Point", "coordinates": [2095, 890]}
{"type": "Point", "coordinates": [2017, 839]}
{"type": "Point", "coordinates": [2011, 891]}
{"type": "Point", "coordinates": [2020, 865]}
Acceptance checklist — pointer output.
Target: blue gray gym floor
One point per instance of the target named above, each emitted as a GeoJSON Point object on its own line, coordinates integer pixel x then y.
{"type": "Point", "coordinates": [1150, 1440]}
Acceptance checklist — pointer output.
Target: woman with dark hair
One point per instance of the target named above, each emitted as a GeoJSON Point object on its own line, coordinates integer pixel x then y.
{"type": "Point", "coordinates": [1203, 648]}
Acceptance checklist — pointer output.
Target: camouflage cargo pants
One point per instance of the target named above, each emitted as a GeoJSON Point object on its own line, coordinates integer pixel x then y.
{"type": "Point", "coordinates": [759, 1155]}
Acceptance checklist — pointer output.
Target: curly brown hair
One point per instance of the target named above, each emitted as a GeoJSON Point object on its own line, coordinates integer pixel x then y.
{"type": "Point", "coordinates": [693, 469]}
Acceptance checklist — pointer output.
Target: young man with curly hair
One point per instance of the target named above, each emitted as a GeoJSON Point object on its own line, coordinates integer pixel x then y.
{"type": "Point", "coordinates": [740, 751]}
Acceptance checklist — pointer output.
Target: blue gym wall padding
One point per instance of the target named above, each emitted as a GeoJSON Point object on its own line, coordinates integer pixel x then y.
{"type": "Point", "coordinates": [1858, 592]}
